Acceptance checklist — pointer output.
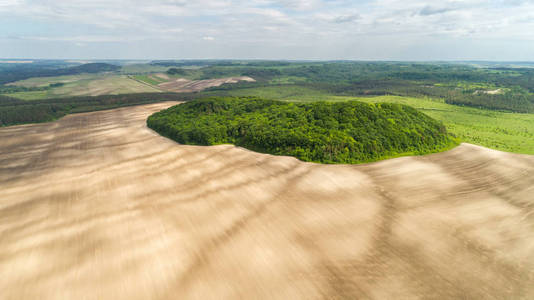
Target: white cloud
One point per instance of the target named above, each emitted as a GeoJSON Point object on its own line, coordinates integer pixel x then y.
{"type": "Point", "coordinates": [299, 4]}
{"type": "Point", "coordinates": [10, 2]}
{"type": "Point", "coordinates": [316, 28]}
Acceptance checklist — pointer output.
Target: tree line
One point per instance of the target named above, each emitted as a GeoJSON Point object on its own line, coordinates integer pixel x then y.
{"type": "Point", "coordinates": [14, 111]}
{"type": "Point", "coordinates": [17, 73]}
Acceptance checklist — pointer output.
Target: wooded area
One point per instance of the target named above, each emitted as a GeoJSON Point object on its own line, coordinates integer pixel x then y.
{"type": "Point", "coordinates": [18, 72]}
{"type": "Point", "coordinates": [346, 132]}
{"type": "Point", "coordinates": [14, 111]}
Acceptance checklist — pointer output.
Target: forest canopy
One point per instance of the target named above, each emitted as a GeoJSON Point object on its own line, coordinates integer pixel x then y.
{"type": "Point", "coordinates": [343, 132]}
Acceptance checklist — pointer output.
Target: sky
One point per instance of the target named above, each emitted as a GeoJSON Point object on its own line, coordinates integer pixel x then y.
{"type": "Point", "coordinates": [501, 30]}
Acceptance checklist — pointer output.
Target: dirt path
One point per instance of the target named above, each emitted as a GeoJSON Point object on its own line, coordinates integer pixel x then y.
{"type": "Point", "coordinates": [97, 206]}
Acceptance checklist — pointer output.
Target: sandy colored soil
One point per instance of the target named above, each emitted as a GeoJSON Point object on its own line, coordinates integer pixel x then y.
{"type": "Point", "coordinates": [182, 85]}
{"type": "Point", "coordinates": [89, 85]}
{"type": "Point", "coordinates": [493, 92]}
{"type": "Point", "coordinates": [162, 76]}
{"type": "Point", "coordinates": [97, 206]}
{"type": "Point", "coordinates": [107, 86]}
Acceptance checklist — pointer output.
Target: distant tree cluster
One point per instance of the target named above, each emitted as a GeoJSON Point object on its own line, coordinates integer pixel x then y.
{"type": "Point", "coordinates": [346, 132]}
{"type": "Point", "coordinates": [24, 72]}
{"type": "Point", "coordinates": [177, 71]}
{"type": "Point", "coordinates": [14, 111]}
{"type": "Point", "coordinates": [7, 89]}
{"type": "Point", "coordinates": [516, 99]}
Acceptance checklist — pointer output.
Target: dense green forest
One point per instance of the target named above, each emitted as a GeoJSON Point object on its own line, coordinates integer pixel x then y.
{"type": "Point", "coordinates": [14, 111]}
{"type": "Point", "coordinates": [345, 132]}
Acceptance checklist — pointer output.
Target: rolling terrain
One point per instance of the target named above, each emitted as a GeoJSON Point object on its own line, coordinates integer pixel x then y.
{"type": "Point", "coordinates": [106, 84]}
{"type": "Point", "coordinates": [98, 206]}
{"type": "Point", "coordinates": [81, 85]}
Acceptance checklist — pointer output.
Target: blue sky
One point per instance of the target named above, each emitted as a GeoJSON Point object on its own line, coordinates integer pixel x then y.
{"type": "Point", "coordinates": [268, 29]}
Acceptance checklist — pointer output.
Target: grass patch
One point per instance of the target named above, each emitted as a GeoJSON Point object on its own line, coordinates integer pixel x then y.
{"type": "Point", "coordinates": [148, 79]}
{"type": "Point", "coordinates": [46, 81]}
{"type": "Point", "coordinates": [287, 80]}
{"type": "Point", "coordinates": [282, 92]}
{"type": "Point", "coordinates": [33, 95]}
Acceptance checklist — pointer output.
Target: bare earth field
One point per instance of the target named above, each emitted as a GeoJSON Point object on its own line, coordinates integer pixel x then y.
{"type": "Point", "coordinates": [97, 206]}
{"type": "Point", "coordinates": [182, 85]}
{"type": "Point", "coordinates": [111, 85]}
{"type": "Point", "coordinates": [83, 85]}
{"type": "Point", "coordinates": [96, 85]}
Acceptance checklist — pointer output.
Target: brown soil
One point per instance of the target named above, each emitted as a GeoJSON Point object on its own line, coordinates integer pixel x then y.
{"type": "Point", "coordinates": [98, 206]}
{"type": "Point", "coordinates": [181, 85]}
{"type": "Point", "coordinates": [162, 76]}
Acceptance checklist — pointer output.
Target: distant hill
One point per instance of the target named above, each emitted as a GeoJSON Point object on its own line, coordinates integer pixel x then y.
{"type": "Point", "coordinates": [16, 74]}
{"type": "Point", "coordinates": [90, 68]}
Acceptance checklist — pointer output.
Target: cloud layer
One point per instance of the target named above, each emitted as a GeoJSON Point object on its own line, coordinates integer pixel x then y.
{"type": "Point", "coordinates": [272, 29]}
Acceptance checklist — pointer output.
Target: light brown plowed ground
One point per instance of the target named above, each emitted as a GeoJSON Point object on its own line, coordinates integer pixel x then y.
{"type": "Point", "coordinates": [182, 85]}
{"type": "Point", "coordinates": [97, 206]}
